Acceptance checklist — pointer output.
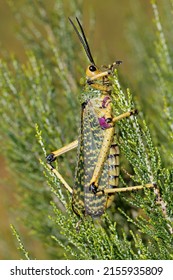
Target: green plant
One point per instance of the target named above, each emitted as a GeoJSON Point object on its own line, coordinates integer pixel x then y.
{"type": "Point", "coordinates": [39, 106]}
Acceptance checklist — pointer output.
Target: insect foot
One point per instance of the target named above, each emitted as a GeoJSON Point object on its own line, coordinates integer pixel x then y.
{"type": "Point", "coordinates": [50, 158]}
{"type": "Point", "coordinates": [93, 188]}
{"type": "Point", "coordinates": [134, 112]}
{"type": "Point", "coordinates": [89, 82]}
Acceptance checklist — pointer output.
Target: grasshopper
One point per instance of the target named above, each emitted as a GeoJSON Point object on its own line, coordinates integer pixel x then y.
{"type": "Point", "coordinates": [97, 171]}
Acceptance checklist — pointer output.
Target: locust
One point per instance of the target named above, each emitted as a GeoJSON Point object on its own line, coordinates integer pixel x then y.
{"type": "Point", "coordinates": [97, 172]}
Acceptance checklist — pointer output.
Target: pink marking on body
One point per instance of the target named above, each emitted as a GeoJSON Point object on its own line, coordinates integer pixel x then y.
{"type": "Point", "coordinates": [106, 101]}
{"type": "Point", "coordinates": [103, 123]}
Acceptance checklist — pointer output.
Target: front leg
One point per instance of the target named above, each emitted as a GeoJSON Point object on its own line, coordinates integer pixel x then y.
{"type": "Point", "coordinates": [125, 115]}
{"type": "Point", "coordinates": [59, 176]}
{"type": "Point", "coordinates": [52, 156]}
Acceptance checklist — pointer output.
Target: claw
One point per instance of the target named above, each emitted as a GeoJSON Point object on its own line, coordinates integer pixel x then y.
{"type": "Point", "coordinates": [50, 158]}
{"type": "Point", "coordinates": [134, 112]}
{"type": "Point", "coordinates": [93, 188]}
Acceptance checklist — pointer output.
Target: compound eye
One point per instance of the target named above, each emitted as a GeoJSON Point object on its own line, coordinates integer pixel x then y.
{"type": "Point", "coordinates": [92, 68]}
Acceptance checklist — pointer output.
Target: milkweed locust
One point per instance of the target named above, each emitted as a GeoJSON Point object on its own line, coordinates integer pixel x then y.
{"type": "Point", "coordinates": [97, 171]}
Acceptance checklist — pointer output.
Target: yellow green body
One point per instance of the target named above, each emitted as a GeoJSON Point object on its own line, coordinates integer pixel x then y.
{"type": "Point", "coordinates": [98, 152]}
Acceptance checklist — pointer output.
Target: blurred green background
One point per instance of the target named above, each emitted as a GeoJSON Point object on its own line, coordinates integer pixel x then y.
{"type": "Point", "coordinates": [114, 21]}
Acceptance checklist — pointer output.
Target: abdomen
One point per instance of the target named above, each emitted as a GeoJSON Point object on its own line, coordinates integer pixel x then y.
{"type": "Point", "coordinates": [113, 170]}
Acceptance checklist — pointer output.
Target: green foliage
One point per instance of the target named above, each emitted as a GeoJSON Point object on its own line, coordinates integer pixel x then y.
{"type": "Point", "coordinates": [39, 106]}
{"type": "Point", "coordinates": [154, 76]}
{"type": "Point", "coordinates": [21, 246]}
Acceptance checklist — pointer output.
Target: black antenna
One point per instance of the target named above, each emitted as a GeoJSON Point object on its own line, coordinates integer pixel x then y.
{"type": "Point", "coordinates": [83, 40]}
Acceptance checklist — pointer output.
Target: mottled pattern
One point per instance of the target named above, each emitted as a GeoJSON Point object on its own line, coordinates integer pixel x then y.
{"type": "Point", "coordinates": [90, 142]}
